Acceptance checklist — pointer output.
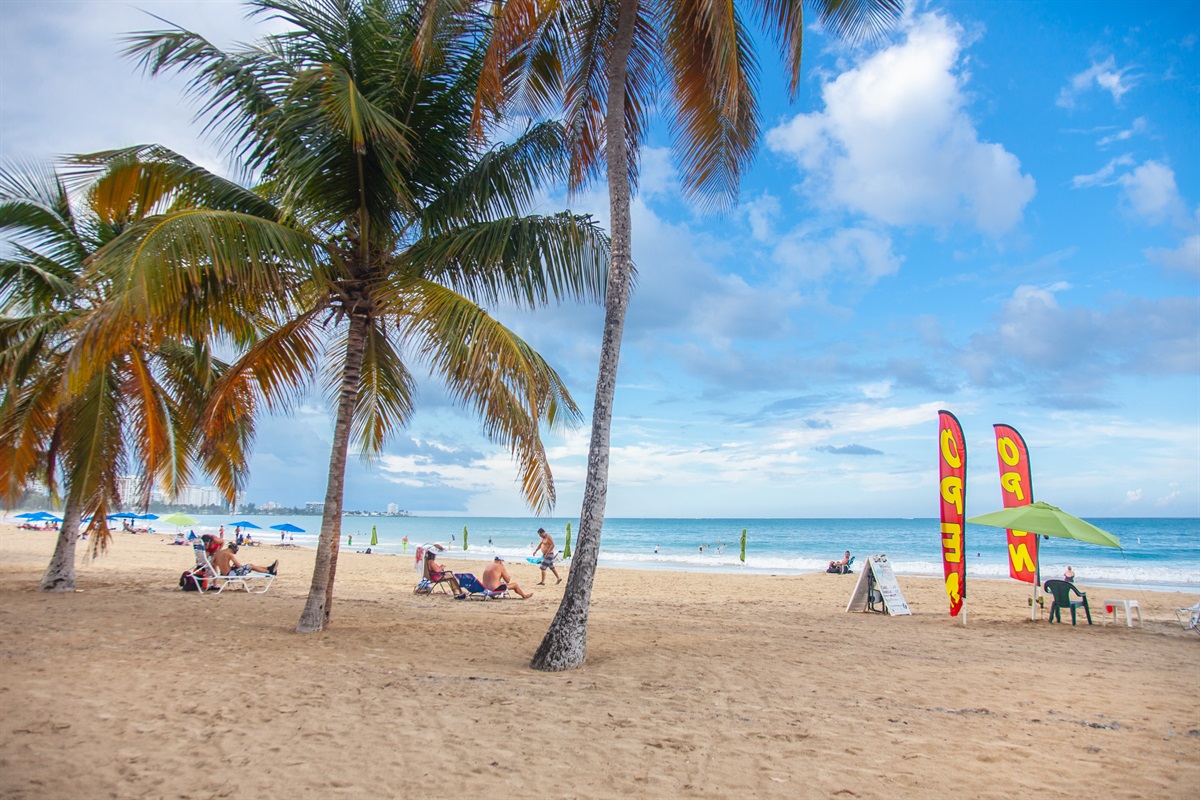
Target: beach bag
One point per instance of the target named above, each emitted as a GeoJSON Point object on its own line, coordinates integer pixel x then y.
{"type": "Point", "coordinates": [188, 584]}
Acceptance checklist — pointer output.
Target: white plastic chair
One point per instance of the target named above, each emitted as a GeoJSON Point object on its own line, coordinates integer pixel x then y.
{"type": "Point", "coordinates": [1189, 617]}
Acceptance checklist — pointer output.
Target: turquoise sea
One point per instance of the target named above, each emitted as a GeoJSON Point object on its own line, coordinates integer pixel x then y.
{"type": "Point", "coordinates": [1157, 553]}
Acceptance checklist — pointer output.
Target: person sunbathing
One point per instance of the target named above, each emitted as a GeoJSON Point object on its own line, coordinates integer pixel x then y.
{"type": "Point", "coordinates": [840, 566]}
{"type": "Point", "coordinates": [226, 564]}
{"type": "Point", "coordinates": [437, 572]}
{"type": "Point", "coordinates": [496, 579]}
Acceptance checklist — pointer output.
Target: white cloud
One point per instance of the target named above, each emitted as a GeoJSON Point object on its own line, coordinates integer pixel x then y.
{"type": "Point", "coordinates": [896, 143]}
{"type": "Point", "coordinates": [69, 90]}
{"type": "Point", "coordinates": [879, 390]}
{"type": "Point", "coordinates": [1185, 258]}
{"type": "Point", "coordinates": [857, 254]}
{"type": "Point", "coordinates": [656, 173]}
{"type": "Point", "coordinates": [1104, 175]}
{"type": "Point", "coordinates": [1151, 193]}
{"type": "Point", "coordinates": [1068, 355]}
{"type": "Point", "coordinates": [1139, 126]}
{"type": "Point", "coordinates": [761, 214]}
{"type": "Point", "coordinates": [1104, 76]}
{"type": "Point", "coordinates": [1133, 496]}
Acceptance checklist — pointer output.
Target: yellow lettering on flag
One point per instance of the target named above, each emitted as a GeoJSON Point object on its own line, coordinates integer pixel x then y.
{"type": "Point", "coordinates": [953, 588]}
{"type": "Point", "coordinates": [950, 449]}
{"type": "Point", "coordinates": [1011, 483]}
{"type": "Point", "coordinates": [952, 492]}
{"type": "Point", "coordinates": [952, 546]}
{"type": "Point", "coordinates": [1019, 557]}
{"type": "Point", "coordinates": [1008, 451]}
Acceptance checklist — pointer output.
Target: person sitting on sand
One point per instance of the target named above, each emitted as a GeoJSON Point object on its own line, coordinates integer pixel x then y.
{"type": "Point", "coordinates": [436, 572]}
{"type": "Point", "coordinates": [226, 564]}
{"type": "Point", "coordinates": [496, 579]}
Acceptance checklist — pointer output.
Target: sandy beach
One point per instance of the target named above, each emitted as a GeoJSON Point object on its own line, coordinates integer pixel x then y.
{"type": "Point", "coordinates": [696, 685]}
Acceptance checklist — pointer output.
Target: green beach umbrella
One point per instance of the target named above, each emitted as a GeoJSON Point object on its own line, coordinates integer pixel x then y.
{"type": "Point", "coordinates": [374, 536]}
{"type": "Point", "coordinates": [179, 519]}
{"type": "Point", "coordinates": [1047, 520]}
{"type": "Point", "coordinates": [464, 537]}
{"type": "Point", "coordinates": [567, 549]}
{"type": "Point", "coordinates": [743, 555]}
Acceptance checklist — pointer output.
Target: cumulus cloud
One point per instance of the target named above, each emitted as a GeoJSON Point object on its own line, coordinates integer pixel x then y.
{"type": "Point", "coordinates": [1185, 258]}
{"type": "Point", "coordinates": [1068, 355]}
{"type": "Point", "coordinates": [896, 143]}
{"type": "Point", "coordinates": [1104, 76]}
{"type": "Point", "coordinates": [1150, 193]}
{"type": "Point", "coordinates": [858, 254]}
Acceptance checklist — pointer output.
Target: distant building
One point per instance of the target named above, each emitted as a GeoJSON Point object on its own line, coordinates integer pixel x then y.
{"type": "Point", "coordinates": [270, 505]}
{"type": "Point", "coordinates": [132, 491]}
{"type": "Point", "coordinates": [191, 495]}
{"type": "Point", "coordinates": [314, 508]}
{"type": "Point", "coordinates": [393, 509]}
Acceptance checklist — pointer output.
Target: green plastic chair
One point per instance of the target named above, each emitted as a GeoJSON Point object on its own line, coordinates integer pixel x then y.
{"type": "Point", "coordinates": [1062, 591]}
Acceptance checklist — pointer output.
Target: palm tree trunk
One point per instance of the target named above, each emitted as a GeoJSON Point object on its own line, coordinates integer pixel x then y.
{"type": "Point", "coordinates": [320, 593]}
{"type": "Point", "coordinates": [60, 573]}
{"type": "Point", "coordinates": [565, 643]}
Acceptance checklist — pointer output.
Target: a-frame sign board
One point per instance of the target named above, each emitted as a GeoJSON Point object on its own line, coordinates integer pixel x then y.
{"type": "Point", "coordinates": [877, 576]}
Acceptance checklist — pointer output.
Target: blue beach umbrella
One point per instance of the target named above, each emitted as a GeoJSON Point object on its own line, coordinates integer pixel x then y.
{"type": "Point", "coordinates": [29, 515]}
{"type": "Point", "coordinates": [244, 524]}
{"type": "Point", "coordinates": [146, 516]}
{"type": "Point", "coordinates": [288, 527]}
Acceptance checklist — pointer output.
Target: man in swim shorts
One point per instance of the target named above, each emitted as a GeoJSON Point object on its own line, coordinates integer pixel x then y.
{"type": "Point", "coordinates": [226, 564]}
{"type": "Point", "coordinates": [496, 578]}
{"type": "Point", "coordinates": [546, 548]}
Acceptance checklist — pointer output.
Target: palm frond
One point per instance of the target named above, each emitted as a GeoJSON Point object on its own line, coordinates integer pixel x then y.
{"type": "Point", "coordinates": [525, 260]}
{"type": "Point", "coordinates": [713, 74]}
{"type": "Point", "coordinates": [136, 182]}
{"type": "Point", "coordinates": [493, 371]}
{"type": "Point", "coordinates": [503, 181]}
{"type": "Point", "coordinates": [386, 394]}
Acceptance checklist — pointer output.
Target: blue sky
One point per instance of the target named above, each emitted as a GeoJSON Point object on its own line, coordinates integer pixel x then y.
{"type": "Point", "coordinates": [994, 210]}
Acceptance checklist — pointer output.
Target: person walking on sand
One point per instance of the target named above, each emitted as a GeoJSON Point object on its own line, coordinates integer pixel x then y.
{"type": "Point", "coordinates": [546, 548]}
{"type": "Point", "coordinates": [496, 579]}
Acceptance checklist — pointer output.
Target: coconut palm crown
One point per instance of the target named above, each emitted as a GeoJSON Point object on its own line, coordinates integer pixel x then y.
{"type": "Point", "coordinates": [391, 230]}
{"type": "Point", "coordinates": [607, 66]}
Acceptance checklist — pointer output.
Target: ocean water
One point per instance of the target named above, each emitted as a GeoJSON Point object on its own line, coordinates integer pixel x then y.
{"type": "Point", "coordinates": [1160, 554]}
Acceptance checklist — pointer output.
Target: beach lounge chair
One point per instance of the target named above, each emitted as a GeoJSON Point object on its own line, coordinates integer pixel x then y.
{"type": "Point", "coordinates": [476, 590]}
{"type": "Point", "coordinates": [208, 579]}
{"type": "Point", "coordinates": [1189, 617]}
{"type": "Point", "coordinates": [1062, 591]}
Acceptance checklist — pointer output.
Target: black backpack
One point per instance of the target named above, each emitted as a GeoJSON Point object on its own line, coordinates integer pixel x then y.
{"type": "Point", "coordinates": [187, 581]}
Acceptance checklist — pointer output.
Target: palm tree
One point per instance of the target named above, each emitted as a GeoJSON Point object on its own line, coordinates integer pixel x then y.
{"type": "Point", "coordinates": [394, 228]}
{"type": "Point", "coordinates": [602, 60]}
{"type": "Point", "coordinates": [136, 405]}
